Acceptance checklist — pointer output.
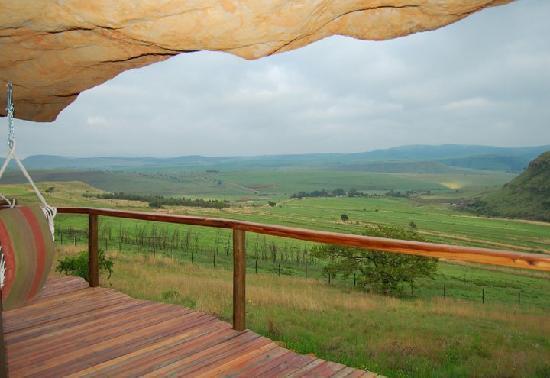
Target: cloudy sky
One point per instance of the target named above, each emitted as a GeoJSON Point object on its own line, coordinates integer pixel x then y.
{"type": "Point", "coordinates": [484, 80]}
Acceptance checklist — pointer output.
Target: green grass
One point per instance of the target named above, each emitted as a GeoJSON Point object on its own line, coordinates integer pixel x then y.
{"type": "Point", "coordinates": [436, 337]}
{"type": "Point", "coordinates": [420, 335]}
{"type": "Point", "coordinates": [251, 184]}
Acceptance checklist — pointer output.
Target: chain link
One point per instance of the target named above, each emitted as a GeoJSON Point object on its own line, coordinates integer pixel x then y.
{"type": "Point", "coordinates": [9, 111]}
{"type": "Point", "coordinates": [49, 212]}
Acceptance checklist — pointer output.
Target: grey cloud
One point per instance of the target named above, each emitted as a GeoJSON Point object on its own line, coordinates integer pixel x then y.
{"type": "Point", "coordinates": [483, 80]}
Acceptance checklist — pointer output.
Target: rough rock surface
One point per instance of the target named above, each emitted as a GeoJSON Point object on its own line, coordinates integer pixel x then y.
{"type": "Point", "coordinates": [54, 49]}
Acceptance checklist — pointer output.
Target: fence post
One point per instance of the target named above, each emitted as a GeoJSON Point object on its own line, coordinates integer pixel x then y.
{"type": "Point", "coordinates": [239, 280]}
{"type": "Point", "coordinates": [93, 256]}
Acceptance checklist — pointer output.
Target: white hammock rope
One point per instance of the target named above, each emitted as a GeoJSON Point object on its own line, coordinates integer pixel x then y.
{"type": "Point", "coordinates": [49, 211]}
{"type": "Point", "coordinates": [2, 269]}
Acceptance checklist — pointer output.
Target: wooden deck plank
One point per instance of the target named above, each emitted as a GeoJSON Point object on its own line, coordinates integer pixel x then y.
{"type": "Point", "coordinates": [21, 321]}
{"type": "Point", "coordinates": [236, 364]}
{"type": "Point", "coordinates": [84, 333]}
{"type": "Point", "coordinates": [267, 359]}
{"type": "Point", "coordinates": [188, 363]}
{"type": "Point", "coordinates": [302, 371]}
{"type": "Point", "coordinates": [221, 357]}
{"type": "Point", "coordinates": [93, 340]}
{"type": "Point", "coordinates": [104, 351]}
{"type": "Point", "coordinates": [171, 354]}
{"type": "Point", "coordinates": [73, 330]}
{"type": "Point", "coordinates": [282, 365]}
{"type": "Point", "coordinates": [289, 366]}
{"type": "Point", "coordinates": [138, 361]}
{"type": "Point", "coordinates": [118, 309]}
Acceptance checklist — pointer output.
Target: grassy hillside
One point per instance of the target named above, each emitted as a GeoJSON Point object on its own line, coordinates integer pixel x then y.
{"type": "Point", "coordinates": [527, 196]}
{"type": "Point", "coordinates": [491, 162]}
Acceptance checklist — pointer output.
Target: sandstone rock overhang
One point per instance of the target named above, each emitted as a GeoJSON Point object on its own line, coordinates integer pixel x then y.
{"type": "Point", "coordinates": [54, 49]}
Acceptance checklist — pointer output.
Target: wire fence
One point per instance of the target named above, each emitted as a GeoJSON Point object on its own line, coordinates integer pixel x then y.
{"type": "Point", "coordinates": [272, 256]}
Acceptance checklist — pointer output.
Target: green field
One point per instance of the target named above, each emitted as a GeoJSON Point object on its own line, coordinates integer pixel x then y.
{"type": "Point", "coordinates": [438, 328]}
{"type": "Point", "coordinates": [259, 184]}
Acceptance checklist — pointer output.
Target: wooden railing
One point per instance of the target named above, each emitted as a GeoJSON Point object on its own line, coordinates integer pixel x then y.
{"type": "Point", "coordinates": [448, 252]}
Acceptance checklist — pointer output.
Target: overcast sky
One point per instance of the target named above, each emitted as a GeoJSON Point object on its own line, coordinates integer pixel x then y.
{"type": "Point", "coordinates": [484, 80]}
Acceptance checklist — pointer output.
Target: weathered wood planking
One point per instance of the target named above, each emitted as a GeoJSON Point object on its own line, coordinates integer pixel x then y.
{"type": "Point", "coordinates": [445, 251]}
{"type": "Point", "coordinates": [76, 330]}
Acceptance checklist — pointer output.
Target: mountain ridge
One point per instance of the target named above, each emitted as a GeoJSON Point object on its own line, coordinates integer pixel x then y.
{"type": "Point", "coordinates": [453, 156]}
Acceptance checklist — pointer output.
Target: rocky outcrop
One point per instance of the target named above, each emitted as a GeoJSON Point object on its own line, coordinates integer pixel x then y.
{"type": "Point", "coordinates": [54, 49]}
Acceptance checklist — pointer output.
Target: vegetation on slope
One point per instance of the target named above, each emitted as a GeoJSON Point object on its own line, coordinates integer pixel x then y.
{"type": "Point", "coordinates": [527, 196]}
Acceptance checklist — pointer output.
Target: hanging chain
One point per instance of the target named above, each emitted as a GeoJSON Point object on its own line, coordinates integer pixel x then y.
{"type": "Point", "coordinates": [9, 111]}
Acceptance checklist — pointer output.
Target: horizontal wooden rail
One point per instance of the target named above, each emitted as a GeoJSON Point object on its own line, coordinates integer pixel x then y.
{"type": "Point", "coordinates": [445, 251]}
{"type": "Point", "coordinates": [450, 252]}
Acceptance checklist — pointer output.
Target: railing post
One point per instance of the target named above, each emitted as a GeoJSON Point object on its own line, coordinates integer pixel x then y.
{"type": "Point", "coordinates": [93, 255]}
{"type": "Point", "coordinates": [239, 280]}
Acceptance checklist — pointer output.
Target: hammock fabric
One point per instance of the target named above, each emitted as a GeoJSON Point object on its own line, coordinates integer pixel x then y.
{"type": "Point", "coordinates": [28, 250]}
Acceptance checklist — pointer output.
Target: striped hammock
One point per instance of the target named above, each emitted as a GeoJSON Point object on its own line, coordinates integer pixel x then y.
{"type": "Point", "coordinates": [28, 249]}
{"type": "Point", "coordinates": [26, 235]}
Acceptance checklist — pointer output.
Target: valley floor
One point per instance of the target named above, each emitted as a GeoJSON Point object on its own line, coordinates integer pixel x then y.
{"type": "Point", "coordinates": [441, 329]}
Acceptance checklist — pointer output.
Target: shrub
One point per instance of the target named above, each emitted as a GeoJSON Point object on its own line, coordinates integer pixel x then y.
{"type": "Point", "coordinates": [378, 271]}
{"type": "Point", "coordinates": [78, 265]}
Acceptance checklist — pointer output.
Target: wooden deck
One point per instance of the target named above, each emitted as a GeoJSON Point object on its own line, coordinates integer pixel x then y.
{"type": "Point", "coordinates": [80, 331]}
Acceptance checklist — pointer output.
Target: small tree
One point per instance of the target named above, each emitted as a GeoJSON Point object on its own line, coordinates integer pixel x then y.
{"type": "Point", "coordinates": [379, 271]}
{"type": "Point", "coordinates": [344, 217]}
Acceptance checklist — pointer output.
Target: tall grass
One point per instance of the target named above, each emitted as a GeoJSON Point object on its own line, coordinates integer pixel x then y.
{"type": "Point", "coordinates": [437, 337]}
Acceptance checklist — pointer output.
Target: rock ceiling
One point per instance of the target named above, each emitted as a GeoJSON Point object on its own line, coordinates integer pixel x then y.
{"type": "Point", "coordinates": [54, 49]}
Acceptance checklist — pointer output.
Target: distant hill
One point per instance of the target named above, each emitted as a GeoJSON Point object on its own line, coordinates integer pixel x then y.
{"type": "Point", "coordinates": [527, 196]}
{"type": "Point", "coordinates": [411, 159]}
{"type": "Point", "coordinates": [451, 151]}
{"type": "Point", "coordinates": [508, 163]}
